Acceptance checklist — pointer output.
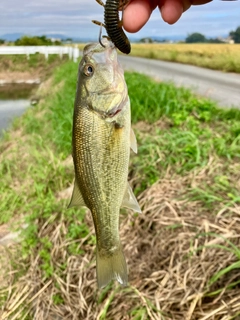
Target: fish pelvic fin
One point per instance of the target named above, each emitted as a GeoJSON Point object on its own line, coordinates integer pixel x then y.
{"type": "Point", "coordinates": [77, 198]}
{"type": "Point", "coordinates": [111, 266]}
{"type": "Point", "coordinates": [133, 141]}
{"type": "Point", "coordinates": [130, 201]}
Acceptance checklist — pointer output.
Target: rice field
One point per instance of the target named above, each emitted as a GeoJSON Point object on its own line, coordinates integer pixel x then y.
{"type": "Point", "coordinates": [225, 57]}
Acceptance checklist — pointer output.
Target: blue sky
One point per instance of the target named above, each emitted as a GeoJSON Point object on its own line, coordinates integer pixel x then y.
{"type": "Point", "coordinates": [73, 18]}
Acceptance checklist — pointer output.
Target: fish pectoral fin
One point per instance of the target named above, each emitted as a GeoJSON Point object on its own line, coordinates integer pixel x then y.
{"type": "Point", "coordinates": [133, 141]}
{"type": "Point", "coordinates": [77, 198]}
{"type": "Point", "coordinates": [130, 201]}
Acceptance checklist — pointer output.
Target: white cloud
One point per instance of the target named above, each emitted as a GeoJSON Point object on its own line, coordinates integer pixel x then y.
{"type": "Point", "coordinates": [73, 18]}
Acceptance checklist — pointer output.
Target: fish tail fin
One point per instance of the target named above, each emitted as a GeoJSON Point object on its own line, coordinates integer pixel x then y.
{"type": "Point", "coordinates": [111, 267]}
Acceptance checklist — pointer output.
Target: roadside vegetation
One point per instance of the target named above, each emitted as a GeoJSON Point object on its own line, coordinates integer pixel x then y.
{"type": "Point", "coordinates": [225, 57]}
{"type": "Point", "coordinates": [182, 252]}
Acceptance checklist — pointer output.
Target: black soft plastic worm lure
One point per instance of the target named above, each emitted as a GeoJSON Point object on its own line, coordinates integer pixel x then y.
{"type": "Point", "coordinates": [113, 25]}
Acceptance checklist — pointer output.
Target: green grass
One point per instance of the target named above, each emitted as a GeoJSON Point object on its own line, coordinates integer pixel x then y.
{"type": "Point", "coordinates": [193, 130]}
{"type": "Point", "coordinates": [196, 129]}
{"type": "Point", "coordinates": [48, 142]}
{"type": "Point", "coordinates": [185, 132]}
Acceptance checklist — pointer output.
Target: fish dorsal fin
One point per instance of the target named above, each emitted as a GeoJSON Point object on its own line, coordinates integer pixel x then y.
{"type": "Point", "coordinates": [130, 201]}
{"type": "Point", "coordinates": [77, 198]}
{"type": "Point", "coordinates": [133, 141]}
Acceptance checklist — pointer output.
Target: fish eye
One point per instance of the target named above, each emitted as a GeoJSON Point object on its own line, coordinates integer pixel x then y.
{"type": "Point", "coordinates": [88, 70]}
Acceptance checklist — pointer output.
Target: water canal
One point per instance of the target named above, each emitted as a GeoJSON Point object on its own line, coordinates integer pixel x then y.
{"type": "Point", "coordinates": [14, 100]}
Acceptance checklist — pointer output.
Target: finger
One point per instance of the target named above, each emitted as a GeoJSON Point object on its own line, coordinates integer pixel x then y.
{"type": "Point", "coordinates": [171, 10]}
{"type": "Point", "coordinates": [137, 14]}
{"type": "Point", "coordinates": [199, 2]}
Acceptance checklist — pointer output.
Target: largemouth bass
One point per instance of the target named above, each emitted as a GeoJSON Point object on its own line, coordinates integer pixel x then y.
{"type": "Point", "coordinates": [101, 141]}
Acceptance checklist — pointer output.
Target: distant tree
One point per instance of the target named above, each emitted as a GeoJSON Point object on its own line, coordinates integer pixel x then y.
{"type": "Point", "coordinates": [235, 35]}
{"type": "Point", "coordinates": [44, 39]}
{"type": "Point", "coordinates": [195, 38]}
{"type": "Point", "coordinates": [33, 41]}
{"type": "Point", "coordinates": [57, 42]}
{"type": "Point", "coordinates": [214, 40]}
{"type": "Point", "coordinates": [2, 41]}
{"type": "Point", "coordinates": [146, 40]}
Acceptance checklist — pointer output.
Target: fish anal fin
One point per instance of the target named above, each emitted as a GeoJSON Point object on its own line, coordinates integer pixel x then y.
{"type": "Point", "coordinates": [111, 266]}
{"type": "Point", "coordinates": [130, 201]}
{"type": "Point", "coordinates": [77, 198]}
{"type": "Point", "coordinates": [133, 141]}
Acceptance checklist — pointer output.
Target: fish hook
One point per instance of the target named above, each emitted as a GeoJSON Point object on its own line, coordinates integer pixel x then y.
{"type": "Point", "coordinates": [100, 37]}
{"type": "Point", "coordinates": [100, 31]}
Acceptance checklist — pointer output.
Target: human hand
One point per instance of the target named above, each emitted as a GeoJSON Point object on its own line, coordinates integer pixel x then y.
{"type": "Point", "coordinates": [137, 12]}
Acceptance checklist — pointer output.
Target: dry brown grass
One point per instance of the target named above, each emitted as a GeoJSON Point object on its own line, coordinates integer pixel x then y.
{"type": "Point", "coordinates": [172, 254]}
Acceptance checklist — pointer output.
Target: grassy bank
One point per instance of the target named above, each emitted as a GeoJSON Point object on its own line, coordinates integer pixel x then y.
{"type": "Point", "coordinates": [182, 252]}
{"type": "Point", "coordinates": [19, 67]}
{"type": "Point", "coordinates": [22, 63]}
